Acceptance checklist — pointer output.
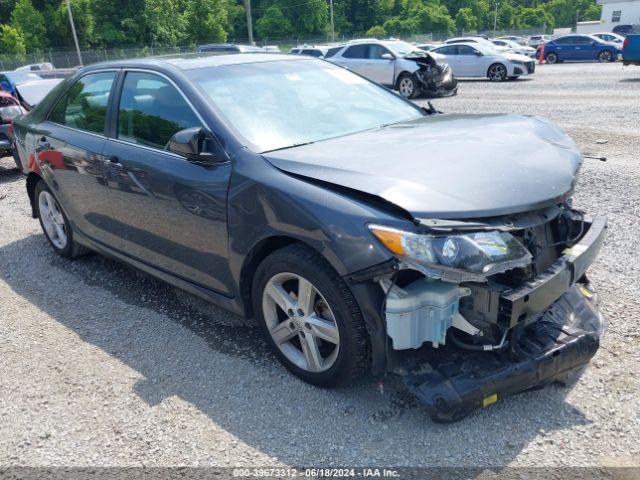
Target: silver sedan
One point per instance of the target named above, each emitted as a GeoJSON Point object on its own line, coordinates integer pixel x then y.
{"type": "Point", "coordinates": [474, 60]}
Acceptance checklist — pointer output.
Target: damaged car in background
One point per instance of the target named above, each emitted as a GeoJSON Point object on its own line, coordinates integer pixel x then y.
{"type": "Point", "coordinates": [363, 233]}
{"type": "Point", "coordinates": [398, 65]}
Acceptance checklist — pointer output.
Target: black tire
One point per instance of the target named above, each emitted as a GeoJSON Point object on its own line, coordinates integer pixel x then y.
{"type": "Point", "coordinates": [354, 353]}
{"type": "Point", "coordinates": [605, 56]}
{"type": "Point", "coordinates": [71, 248]}
{"type": "Point", "coordinates": [408, 86]}
{"type": "Point", "coordinates": [497, 72]}
{"type": "Point", "coordinates": [551, 58]}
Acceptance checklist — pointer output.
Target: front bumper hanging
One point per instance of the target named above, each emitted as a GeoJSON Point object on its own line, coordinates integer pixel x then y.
{"type": "Point", "coordinates": [452, 382]}
{"type": "Point", "coordinates": [556, 330]}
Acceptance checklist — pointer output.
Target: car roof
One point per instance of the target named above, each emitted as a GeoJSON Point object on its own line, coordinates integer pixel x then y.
{"type": "Point", "coordinates": [193, 61]}
{"type": "Point", "coordinates": [462, 42]}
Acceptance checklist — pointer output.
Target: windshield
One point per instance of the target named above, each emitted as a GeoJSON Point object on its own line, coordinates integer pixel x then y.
{"type": "Point", "coordinates": [280, 104]}
{"type": "Point", "coordinates": [486, 49]}
{"type": "Point", "coordinates": [400, 48]}
{"type": "Point", "coordinates": [21, 77]}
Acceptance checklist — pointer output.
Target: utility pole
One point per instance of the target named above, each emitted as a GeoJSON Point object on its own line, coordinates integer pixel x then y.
{"type": "Point", "coordinates": [73, 31]}
{"type": "Point", "coordinates": [495, 20]}
{"type": "Point", "coordinates": [333, 29]}
{"type": "Point", "coordinates": [247, 7]}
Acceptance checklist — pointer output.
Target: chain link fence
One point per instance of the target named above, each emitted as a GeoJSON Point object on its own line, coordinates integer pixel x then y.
{"type": "Point", "coordinates": [68, 58]}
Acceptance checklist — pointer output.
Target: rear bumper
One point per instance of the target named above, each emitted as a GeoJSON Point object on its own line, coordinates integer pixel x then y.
{"type": "Point", "coordinates": [454, 382]}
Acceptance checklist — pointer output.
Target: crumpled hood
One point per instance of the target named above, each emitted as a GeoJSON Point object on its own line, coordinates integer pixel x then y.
{"type": "Point", "coordinates": [447, 166]}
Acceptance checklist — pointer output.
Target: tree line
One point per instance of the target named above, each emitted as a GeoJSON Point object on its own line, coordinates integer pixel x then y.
{"type": "Point", "coordinates": [36, 25]}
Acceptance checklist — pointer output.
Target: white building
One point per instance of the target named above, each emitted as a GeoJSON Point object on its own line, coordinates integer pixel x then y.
{"type": "Point", "coordinates": [619, 12]}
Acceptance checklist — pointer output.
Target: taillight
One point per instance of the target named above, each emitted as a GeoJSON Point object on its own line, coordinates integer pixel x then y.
{"type": "Point", "coordinates": [625, 43]}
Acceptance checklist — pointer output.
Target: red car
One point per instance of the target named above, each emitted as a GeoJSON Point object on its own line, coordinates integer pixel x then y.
{"type": "Point", "coordinates": [9, 109]}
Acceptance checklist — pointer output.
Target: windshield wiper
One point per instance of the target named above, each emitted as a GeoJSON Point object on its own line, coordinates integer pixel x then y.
{"type": "Point", "coordinates": [289, 146]}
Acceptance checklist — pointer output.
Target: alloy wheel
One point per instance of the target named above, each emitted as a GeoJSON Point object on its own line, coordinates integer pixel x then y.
{"type": "Point", "coordinates": [605, 56]}
{"type": "Point", "coordinates": [300, 322]}
{"type": "Point", "coordinates": [497, 73]}
{"type": "Point", "coordinates": [52, 219]}
{"type": "Point", "coordinates": [406, 87]}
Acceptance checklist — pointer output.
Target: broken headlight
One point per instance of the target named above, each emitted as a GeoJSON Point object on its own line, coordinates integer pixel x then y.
{"type": "Point", "coordinates": [456, 257]}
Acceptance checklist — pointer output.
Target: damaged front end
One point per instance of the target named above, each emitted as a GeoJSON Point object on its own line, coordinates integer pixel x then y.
{"type": "Point", "coordinates": [477, 310]}
{"type": "Point", "coordinates": [435, 80]}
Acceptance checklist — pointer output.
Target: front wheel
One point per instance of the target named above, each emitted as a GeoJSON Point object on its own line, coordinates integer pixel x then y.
{"type": "Point", "coordinates": [605, 56]}
{"type": "Point", "coordinates": [551, 58]}
{"type": "Point", "coordinates": [408, 86]}
{"type": "Point", "coordinates": [309, 317]}
{"type": "Point", "coordinates": [497, 72]}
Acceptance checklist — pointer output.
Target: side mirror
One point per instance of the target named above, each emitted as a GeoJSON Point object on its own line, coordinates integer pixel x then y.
{"type": "Point", "coordinates": [197, 145]}
{"type": "Point", "coordinates": [479, 53]}
{"type": "Point", "coordinates": [387, 56]}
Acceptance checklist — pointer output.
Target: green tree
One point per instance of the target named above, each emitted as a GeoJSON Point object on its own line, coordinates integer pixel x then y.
{"type": "Point", "coordinates": [377, 31]}
{"type": "Point", "coordinates": [592, 12]}
{"type": "Point", "coordinates": [273, 24]}
{"type": "Point", "coordinates": [59, 29]}
{"type": "Point", "coordinates": [6, 7]}
{"type": "Point", "coordinates": [119, 22]}
{"type": "Point", "coordinates": [237, 23]}
{"type": "Point", "coordinates": [31, 23]}
{"type": "Point", "coordinates": [506, 16]}
{"type": "Point", "coordinates": [206, 20]}
{"type": "Point", "coordinates": [12, 41]}
{"type": "Point", "coordinates": [165, 21]}
{"type": "Point", "coordinates": [434, 17]}
{"type": "Point", "coordinates": [308, 18]}
{"type": "Point", "coordinates": [465, 20]}
{"type": "Point", "coordinates": [535, 17]}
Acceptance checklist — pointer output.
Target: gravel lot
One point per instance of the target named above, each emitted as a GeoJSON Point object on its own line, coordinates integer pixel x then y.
{"type": "Point", "coordinates": [102, 365]}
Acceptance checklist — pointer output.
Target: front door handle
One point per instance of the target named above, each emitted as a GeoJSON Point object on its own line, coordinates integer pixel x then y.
{"type": "Point", "coordinates": [115, 161]}
{"type": "Point", "coordinates": [43, 144]}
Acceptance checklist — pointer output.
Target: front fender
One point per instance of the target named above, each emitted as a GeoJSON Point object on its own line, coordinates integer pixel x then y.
{"type": "Point", "coordinates": [265, 202]}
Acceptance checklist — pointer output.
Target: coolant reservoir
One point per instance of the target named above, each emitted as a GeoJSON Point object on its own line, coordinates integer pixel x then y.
{"type": "Point", "coordinates": [422, 312]}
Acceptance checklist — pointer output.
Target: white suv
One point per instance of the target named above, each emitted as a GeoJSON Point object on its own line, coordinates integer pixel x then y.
{"type": "Point", "coordinates": [399, 65]}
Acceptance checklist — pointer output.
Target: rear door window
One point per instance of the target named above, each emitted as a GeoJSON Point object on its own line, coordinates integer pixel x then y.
{"type": "Point", "coordinates": [312, 53]}
{"type": "Point", "coordinates": [356, 51]}
{"type": "Point", "coordinates": [448, 50]}
{"type": "Point", "coordinates": [466, 50]}
{"type": "Point", "coordinates": [332, 51]}
{"type": "Point", "coordinates": [151, 110]}
{"type": "Point", "coordinates": [84, 105]}
{"type": "Point", "coordinates": [376, 51]}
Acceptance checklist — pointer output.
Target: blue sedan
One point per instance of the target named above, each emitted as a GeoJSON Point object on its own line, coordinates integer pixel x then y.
{"type": "Point", "coordinates": [580, 48]}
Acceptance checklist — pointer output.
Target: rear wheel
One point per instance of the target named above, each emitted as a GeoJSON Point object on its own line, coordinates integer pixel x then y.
{"type": "Point", "coordinates": [55, 224]}
{"type": "Point", "coordinates": [309, 317]}
{"type": "Point", "coordinates": [605, 56]}
{"type": "Point", "coordinates": [408, 86]}
{"type": "Point", "coordinates": [551, 58]}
